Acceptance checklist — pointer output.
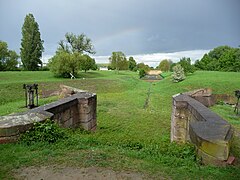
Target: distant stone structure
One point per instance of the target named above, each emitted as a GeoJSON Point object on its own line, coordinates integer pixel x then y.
{"type": "Point", "coordinates": [103, 69]}
{"type": "Point", "coordinates": [153, 75]}
{"type": "Point", "coordinates": [76, 110]}
{"type": "Point", "coordinates": [192, 121]}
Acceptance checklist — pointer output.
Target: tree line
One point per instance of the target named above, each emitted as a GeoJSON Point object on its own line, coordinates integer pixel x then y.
{"type": "Point", "coordinates": [73, 54]}
{"type": "Point", "coordinates": [222, 58]}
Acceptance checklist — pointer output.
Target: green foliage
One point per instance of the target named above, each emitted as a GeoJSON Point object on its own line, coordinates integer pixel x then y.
{"type": "Point", "coordinates": [222, 58]}
{"type": "Point", "coordinates": [171, 66]}
{"type": "Point", "coordinates": [31, 44]}
{"type": "Point", "coordinates": [118, 61]}
{"type": "Point", "coordinates": [8, 58]}
{"type": "Point", "coordinates": [164, 65]}
{"type": "Point", "coordinates": [64, 63]}
{"type": "Point", "coordinates": [178, 73]}
{"type": "Point", "coordinates": [142, 73]}
{"type": "Point", "coordinates": [143, 66]}
{"type": "Point", "coordinates": [69, 57]}
{"type": "Point", "coordinates": [186, 65]}
{"type": "Point", "coordinates": [47, 131]}
{"type": "Point", "coordinates": [132, 65]}
{"type": "Point", "coordinates": [87, 63]}
{"type": "Point", "coordinates": [76, 43]}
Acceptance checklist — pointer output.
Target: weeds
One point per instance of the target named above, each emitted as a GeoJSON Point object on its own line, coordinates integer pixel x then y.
{"type": "Point", "coordinates": [47, 131]}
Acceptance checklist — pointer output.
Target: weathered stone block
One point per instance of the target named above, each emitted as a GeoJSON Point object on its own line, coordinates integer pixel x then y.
{"type": "Point", "coordinates": [15, 124]}
{"type": "Point", "coordinates": [9, 139]}
{"type": "Point", "coordinates": [193, 121]}
{"type": "Point", "coordinates": [68, 124]}
{"type": "Point", "coordinates": [85, 117]}
{"type": "Point", "coordinates": [180, 122]}
{"type": "Point", "coordinates": [207, 159]}
{"type": "Point", "coordinates": [89, 125]}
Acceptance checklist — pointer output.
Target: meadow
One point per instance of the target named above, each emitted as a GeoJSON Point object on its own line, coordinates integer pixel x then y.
{"type": "Point", "coordinates": [129, 136]}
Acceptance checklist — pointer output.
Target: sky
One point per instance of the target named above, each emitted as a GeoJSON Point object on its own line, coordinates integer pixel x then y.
{"type": "Point", "coordinates": [148, 30]}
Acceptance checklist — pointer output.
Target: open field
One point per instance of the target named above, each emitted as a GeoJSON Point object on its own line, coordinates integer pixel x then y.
{"type": "Point", "coordinates": [129, 137]}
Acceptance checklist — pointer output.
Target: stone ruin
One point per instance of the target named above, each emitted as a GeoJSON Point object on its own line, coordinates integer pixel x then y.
{"type": "Point", "coordinates": [77, 109]}
{"type": "Point", "coordinates": [192, 121]}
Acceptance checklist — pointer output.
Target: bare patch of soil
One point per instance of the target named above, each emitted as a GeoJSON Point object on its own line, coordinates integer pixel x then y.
{"type": "Point", "coordinates": [71, 173]}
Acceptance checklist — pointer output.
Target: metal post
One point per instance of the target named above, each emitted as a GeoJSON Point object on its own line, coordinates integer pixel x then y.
{"type": "Point", "coordinates": [36, 88]}
{"type": "Point", "coordinates": [237, 94]}
{"type": "Point", "coordinates": [29, 94]}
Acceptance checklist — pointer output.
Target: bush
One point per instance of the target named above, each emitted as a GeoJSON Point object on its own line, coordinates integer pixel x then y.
{"type": "Point", "coordinates": [64, 63]}
{"type": "Point", "coordinates": [178, 73]}
{"type": "Point", "coordinates": [142, 73]}
{"type": "Point", "coordinates": [47, 131]}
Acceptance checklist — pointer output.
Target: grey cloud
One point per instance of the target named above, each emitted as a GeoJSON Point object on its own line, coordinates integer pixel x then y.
{"type": "Point", "coordinates": [132, 26]}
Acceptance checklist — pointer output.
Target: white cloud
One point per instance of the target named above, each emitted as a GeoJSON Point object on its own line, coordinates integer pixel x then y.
{"type": "Point", "coordinates": [46, 57]}
{"type": "Point", "coordinates": [155, 58]}
{"type": "Point", "coordinates": [150, 59]}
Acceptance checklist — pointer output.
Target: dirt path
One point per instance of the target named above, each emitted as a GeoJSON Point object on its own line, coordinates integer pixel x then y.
{"type": "Point", "coordinates": [71, 173]}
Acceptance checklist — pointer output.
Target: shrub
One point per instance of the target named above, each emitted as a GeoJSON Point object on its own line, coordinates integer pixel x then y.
{"type": "Point", "coordinates": [47, 131]}
{"type": "Point", "coordinates": [142, 73]}
{"type": "Point", "coordinates": [178, 73]}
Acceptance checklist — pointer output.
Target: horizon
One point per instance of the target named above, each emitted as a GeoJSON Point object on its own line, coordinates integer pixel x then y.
{"type": "Point", "coordinates": [152, 59]}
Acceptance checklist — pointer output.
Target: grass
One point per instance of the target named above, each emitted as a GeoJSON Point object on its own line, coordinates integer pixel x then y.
{"type": "Point", "coordinates": [128, 136]}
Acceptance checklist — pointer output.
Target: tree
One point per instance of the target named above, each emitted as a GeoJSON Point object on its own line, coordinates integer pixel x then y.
{"type": "Point", "coordinates": [31, 45]}
{"type": "Point", "coordinates": [12, 61]}
{"type": "Point", "coordinates": [87, 63]}
{"type": "Point", "coordinates": [64, 63]}
{"type": "Point", "coordinates": [8, 58]}
{"type": "Point", "coordinates": [164, 65]}
{"type": "Point", "coordinates": [70, 57]}
{"type": "Point", "coordinates": [3, 55]}
{"type": "Point", "coordinates": [118, 61]}
{"type": "Point", "coordinates": [172, 65]}
{"type": "Point", "coordinates": [142, 73]}
{"type": "Point", "coordinates": [143, 66]}
{"type": "Point", "coordinates": [186, 65]}
{"type": "Point", "coordinates": [178, 73]}
{"type": "Point", "coordinates": [229, 61]}
{"type": "Point", "coordinates": [76, 43]}
{"type": "Point", "coordinates": [222, 58]}
{"type": "Point", "coordinates": [132, 65]}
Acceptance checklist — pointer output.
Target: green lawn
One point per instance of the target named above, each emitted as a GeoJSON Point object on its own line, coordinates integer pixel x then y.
{"type": "Point", "coordinates": [128, 136]}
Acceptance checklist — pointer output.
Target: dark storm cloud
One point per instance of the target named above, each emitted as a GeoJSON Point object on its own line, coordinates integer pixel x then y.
{"type": "Point", "coordinates": [131, 26]}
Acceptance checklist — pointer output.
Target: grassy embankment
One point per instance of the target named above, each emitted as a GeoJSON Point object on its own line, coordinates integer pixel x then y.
{"type": "Point", "coordinates": [128, 137]}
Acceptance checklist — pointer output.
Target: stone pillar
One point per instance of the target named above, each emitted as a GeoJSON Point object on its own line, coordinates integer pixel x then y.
{"type": "Point", "coordinates": [87, 112]}
{"type": "Point", "coordinates": [179, 121]}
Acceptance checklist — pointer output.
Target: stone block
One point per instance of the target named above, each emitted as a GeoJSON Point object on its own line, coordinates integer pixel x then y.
{"type": "Point", "coordinates": [85, 108]}
{"type": "Point", "coordinates": [180, 122]}
{"type": "Point", "coordinates": [219, 150]}
{"type": "Point", "coordinates": [206, 101]}
{"type": "Point", "coordinates": [207, 159]}
{"type": "Point", "coordinates": [10, 139]}
{"type": "Point", "coordinates": [179, 135]}
{"type": "Point", "coordinates": [181, 112]}
{"type": "Point", "coordinates": [68, 124]}
{"type": "Point", "coordinates": [88, 125]}
{"type": "Point", "coordinates": [66, 115]}
{"type": "Point", "coordinates": [180, 104]}
{"type": "Point", "coordinates": [85, 117]}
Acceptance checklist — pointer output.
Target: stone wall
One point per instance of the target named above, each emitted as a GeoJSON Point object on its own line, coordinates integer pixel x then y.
{"type": "Point", "coordinates": [194, 122]}
{"type": "Point", "coordinates": [78, 110]}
